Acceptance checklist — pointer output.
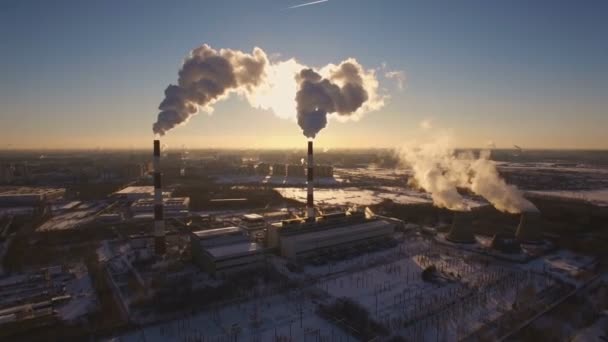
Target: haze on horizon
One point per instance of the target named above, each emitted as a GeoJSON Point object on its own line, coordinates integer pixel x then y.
{"type": "Point", "coordinates": [87, 75]}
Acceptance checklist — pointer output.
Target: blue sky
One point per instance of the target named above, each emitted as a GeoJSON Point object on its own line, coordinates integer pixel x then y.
{"type": "Point", "coordinates": [92, 73]}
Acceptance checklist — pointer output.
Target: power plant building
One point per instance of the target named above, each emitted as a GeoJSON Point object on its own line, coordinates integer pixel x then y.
{"type": "Point", "coordinates": [329, 233]}
{"type": "Point", "coordinates": [324, 171]}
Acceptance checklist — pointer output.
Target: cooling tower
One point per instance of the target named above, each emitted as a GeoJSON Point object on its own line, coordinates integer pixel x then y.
{"type": "Point", "coordinates": [310, 196]}
{"type": "Point", "coordinates": [159, 221]}
{"type": "Point", "coordinates": [505, 242]}
{"type": "Point", "coordinates": [529, 229]}
{"type": "Point", "coordinates": [461, 231]}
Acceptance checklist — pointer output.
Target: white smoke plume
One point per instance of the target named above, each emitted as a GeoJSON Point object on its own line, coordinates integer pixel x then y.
{"type": "Point", "coordinates": [441, 172]}
{"type": "Point", "coordinates": [206, 76]}
{"type": "Point", "coordinates": [346, 90]}
{"type": "Point", "coordinates": [209, 75]}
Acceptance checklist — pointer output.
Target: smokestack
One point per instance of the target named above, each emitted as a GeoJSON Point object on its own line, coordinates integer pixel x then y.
{"type": "Point", "coordinates": [159, 221]}
{"type": "Point", "coordinates": [529, 227]}
{"type": "Point", "coordinates": [461, 231]}
{"type": "Point", "coordinates": [310, 207]}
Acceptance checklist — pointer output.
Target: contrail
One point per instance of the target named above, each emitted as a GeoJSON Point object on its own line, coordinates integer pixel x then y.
{"type": "Point", "coordinates": [308, 4]}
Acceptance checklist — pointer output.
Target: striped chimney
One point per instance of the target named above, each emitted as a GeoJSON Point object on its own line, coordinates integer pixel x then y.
{"type": "Point", "coordinates": [310, 207]}
{"type": "Point", "coordinates": [159, 221]}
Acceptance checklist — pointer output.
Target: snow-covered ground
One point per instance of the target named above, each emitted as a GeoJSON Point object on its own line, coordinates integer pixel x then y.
{"type": "Point", "coordinates": [359, 196]}
{"type": "Point", "coordinates": [72, 219]}
{"type": "Point", "coordinates": [273, 180]}
{"type": "Point", "coordinates": [469, 291]}
{"type": "Point", "coordinates": [271, 318]}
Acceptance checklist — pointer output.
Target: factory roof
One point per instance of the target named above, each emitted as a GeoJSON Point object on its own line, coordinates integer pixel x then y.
{"type": "Point", "coordinates": [136, 190]}
{"type": "Point", "coordinates": [209, 233]}
{"type": "Point", "coordinates": [28, 191]}
{"type": "Point", "coordinates": [236, 249]}
{"type": "Point", "coordinates": [344, 230]}
{"type": "Point", "coordinates": [253, 217]}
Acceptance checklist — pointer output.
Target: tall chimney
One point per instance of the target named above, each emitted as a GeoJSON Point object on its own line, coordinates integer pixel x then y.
{"type": "Point", "coordinates": [159, 221]}
{"type": "Point", "coordinates": [310, 207]}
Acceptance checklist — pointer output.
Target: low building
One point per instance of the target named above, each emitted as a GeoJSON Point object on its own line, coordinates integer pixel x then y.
{"type": "Point", "coordinates": [225, 251]}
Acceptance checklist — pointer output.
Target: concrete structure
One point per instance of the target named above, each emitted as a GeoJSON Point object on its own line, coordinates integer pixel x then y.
{"type": "Point", "coordinates": [505, 243]}
{"type": "Point", "coordinates": [225, 251]}
{"type": "Point", "coordinates": [299, 239]}
{"type": "Point", "coordinates": [252, 223]}
{"type": "Point", "coordinates": [529, 229]}
{"type": "Point", "coordinates": [159, 220]}
{"type": "Point", "coordinates": [28, 196]}
{"type": "Point", "coordinates": [461, 231]}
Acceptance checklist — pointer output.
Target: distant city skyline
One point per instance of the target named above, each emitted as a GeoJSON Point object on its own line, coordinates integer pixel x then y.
{"type": "Point", "coordinates": [92, 74]}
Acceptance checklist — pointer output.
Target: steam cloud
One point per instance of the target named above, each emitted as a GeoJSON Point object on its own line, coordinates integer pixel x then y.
{"type": "Point", "coordinates": [290, 90]}
{"type": "Point", "coordinates": [440, 171]}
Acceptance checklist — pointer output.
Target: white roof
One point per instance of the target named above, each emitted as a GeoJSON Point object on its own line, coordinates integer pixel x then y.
{"type": "Point", "coordinates": [253, 217]}
{"type": "Point", "coordinates": [136, 190]}
{"type": "Point", "coordinates": [235, 249]}
{"type": "Point", "coordinates": [209, 233]}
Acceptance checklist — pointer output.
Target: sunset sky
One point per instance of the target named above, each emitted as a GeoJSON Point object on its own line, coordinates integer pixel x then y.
{"type": "Point", "coordinates": [87, 74]}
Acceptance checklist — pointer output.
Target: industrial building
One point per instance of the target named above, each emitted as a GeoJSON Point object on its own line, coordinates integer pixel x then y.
{"type": "Point", "coordinates": [253, 223]}
{"type": "Point", "coordinates": [296, 170]}
{"type": "Point", "coordinates": [28, 196]}
{"type": "Point", "coordinates": [300, 239]}
{"type": "Point", "coordinates": [133, 193]}
{"type": "Point", "coordinates": [225, 251]}
{"type": "Point", "coordinates": [173, 206]}
{"type": "Point", "coordinates": [279, 170]}
{"type": "Point", "coordinates": [324, 171]}
{"type": "Point", "coordinates": [262, 169]}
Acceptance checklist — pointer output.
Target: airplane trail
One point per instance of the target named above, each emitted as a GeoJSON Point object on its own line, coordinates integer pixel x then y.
{"type": "Point", "coordinates": [307, 4]}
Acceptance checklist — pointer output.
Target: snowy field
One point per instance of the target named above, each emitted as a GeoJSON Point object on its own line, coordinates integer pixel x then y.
{"type": "Point", "coordinates": [359, 196]}
{"type": "Point", "coordinates": [272, 318]}
{"type": "Point", "coordinates": [273, 180]}
{"type": "Point", "coordinates": [72, 219]}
